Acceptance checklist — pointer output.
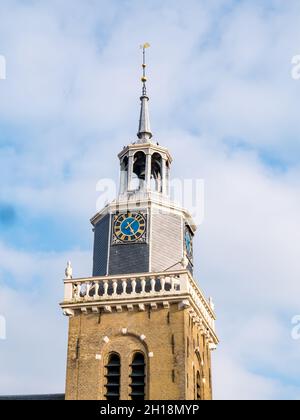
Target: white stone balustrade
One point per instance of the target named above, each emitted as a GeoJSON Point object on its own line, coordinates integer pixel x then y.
{"type": "Point", "coordinates": [102, 288]}
{"type": "Point", "coordinates": [153, 285]}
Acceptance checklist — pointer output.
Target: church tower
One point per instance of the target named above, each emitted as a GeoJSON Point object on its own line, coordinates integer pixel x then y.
{"type": "Point", "coordinates": [140, 327]}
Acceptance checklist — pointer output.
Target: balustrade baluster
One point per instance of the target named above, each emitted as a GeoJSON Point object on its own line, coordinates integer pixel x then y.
{"type": "Point", "coordinates": [163, 283]}
{"type": "Point", "coordinates": [172, 284]}
{"type": "Point", "coordinates": [143, 284]}
{"type": "Point", "coordinates": [105, 285]}
{"type": "Point", "coordinates": [153, 282]}
{"type": "Point", "coordinates": [78, 290]}
{"type": "Point", "coordinates": [115, 286]}
{"type": "Point", "coordinates": [124, 286]}
{"type": "Point", "coordinates": [97, 285]}
{"type": "Point", "coordinates": [88, 288]}
{"type": "Point", "coordinates": [133, 284]}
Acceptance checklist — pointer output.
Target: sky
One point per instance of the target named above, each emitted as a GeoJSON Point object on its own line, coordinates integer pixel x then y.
{"type": "Point", "coordinates": [223, 100]}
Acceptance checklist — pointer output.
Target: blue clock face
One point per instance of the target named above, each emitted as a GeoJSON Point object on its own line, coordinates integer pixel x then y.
{"type": "Point", "coordinates": [129, 227]}
{"type": "Point", "coordinates": [188, 242]}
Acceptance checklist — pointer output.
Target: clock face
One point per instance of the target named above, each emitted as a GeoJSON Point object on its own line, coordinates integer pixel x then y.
{"type": "Point", "coordinates": [129, 227]}
{"type": "Point", "coordinates": [188, 238]}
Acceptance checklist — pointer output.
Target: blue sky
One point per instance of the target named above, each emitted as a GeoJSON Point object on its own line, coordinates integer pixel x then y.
{"type": "Point", "coordinates": [223, 101]}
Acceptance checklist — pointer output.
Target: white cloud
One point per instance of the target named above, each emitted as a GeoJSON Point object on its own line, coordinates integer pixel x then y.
{"type": "Point", "coordinates": [215, 68]}
{"type": "Point", "coordinates": [33, 356]}
{"type": "Point", "coordinates": [247, 259]}
{"type": "Point", "coordinates": [238, 383]}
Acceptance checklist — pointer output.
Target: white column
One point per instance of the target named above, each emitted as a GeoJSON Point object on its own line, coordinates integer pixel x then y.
{"type": "Point", "coordinates": [130, 172]}
{"type": "Point", "coordinates": [123, 180]}
{"type": "Point", "coordinates": [148, 171]}
{"type": "Point", "coordinates": [164, 176]}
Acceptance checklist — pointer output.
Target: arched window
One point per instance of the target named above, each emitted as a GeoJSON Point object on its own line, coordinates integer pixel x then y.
{"type": "Point", "coordinates": [156, 172]}
{"type": "Point", "coordinates": [113, 375]}
{"type": "Point", "coordinates": [138, 376]}
{"type": "Point", "coordinates": [198, 386]}
{"type": "Point", "coordinates": [139, 171]}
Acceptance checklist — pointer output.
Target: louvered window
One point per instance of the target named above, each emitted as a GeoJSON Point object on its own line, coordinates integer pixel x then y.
{"type": "Point", "coordinates": [198, 386]}
{"type": "Point", "coordinates": [138, 377]}
{"type": "Point", "coordinates": [113, 373]}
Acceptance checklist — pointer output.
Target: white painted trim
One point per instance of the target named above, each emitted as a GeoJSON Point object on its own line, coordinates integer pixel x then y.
{"type": "Point", "coordinates": [146, 201]}
{"type": "Point", "coordinates": [149, 236]}
{"type": "Point", "coordinates": [109, 243]}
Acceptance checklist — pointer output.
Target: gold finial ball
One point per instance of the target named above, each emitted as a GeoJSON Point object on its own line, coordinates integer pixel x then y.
{"type": "Point", "coordinates": [144, 79]}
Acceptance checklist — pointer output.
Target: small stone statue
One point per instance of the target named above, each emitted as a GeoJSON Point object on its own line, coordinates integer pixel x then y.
{"type": "Point", "coordinates": [185, 261]}
{"type": "Point", "coordinates": [69, 271]}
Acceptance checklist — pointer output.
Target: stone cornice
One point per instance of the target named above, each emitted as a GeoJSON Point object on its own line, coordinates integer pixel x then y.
{"type": "Point", "coordinates": [120, 292]}
{"type": "Point", "coordinates": [144, 201]}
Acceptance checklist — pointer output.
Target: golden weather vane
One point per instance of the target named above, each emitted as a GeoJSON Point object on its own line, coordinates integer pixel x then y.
{"type": "Point", "coordinates": [144, 78]}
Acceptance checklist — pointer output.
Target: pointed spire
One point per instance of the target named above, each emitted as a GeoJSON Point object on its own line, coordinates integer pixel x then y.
{"type": "Point", "coordinates": [144, 134]}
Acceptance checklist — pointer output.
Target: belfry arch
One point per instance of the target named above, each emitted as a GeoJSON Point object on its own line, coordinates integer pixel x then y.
{"type": "Point", "coordinates": [125, 346]}
{"type": "Point", "coordinates": [156, 173]}
{"type": "Point", "coordinates": [139, 171]}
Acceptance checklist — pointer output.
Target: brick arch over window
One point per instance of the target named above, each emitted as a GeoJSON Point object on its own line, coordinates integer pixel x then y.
{"type": "Point", "coordinates": [126, 345]}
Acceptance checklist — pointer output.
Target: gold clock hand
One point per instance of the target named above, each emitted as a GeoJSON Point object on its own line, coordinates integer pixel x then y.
{"type": "Point", "coordinates": [130, 224]}
{"type": "Point", "coordinates": [134, 220]}
{"type": "Point", "coordinates": [131, 230]}
{"type": "Point", "coordinates": [129, 227]}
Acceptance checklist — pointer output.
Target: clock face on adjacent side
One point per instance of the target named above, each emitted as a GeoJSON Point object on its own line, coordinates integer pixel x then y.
{"type": "Point", "coordinates": [188, 239]}
{"type": "Point", "coordinates": [129, 227]}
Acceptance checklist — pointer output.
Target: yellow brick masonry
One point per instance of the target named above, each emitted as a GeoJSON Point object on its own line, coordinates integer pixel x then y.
{"type": "Point", "coordinates": [173, 346]}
